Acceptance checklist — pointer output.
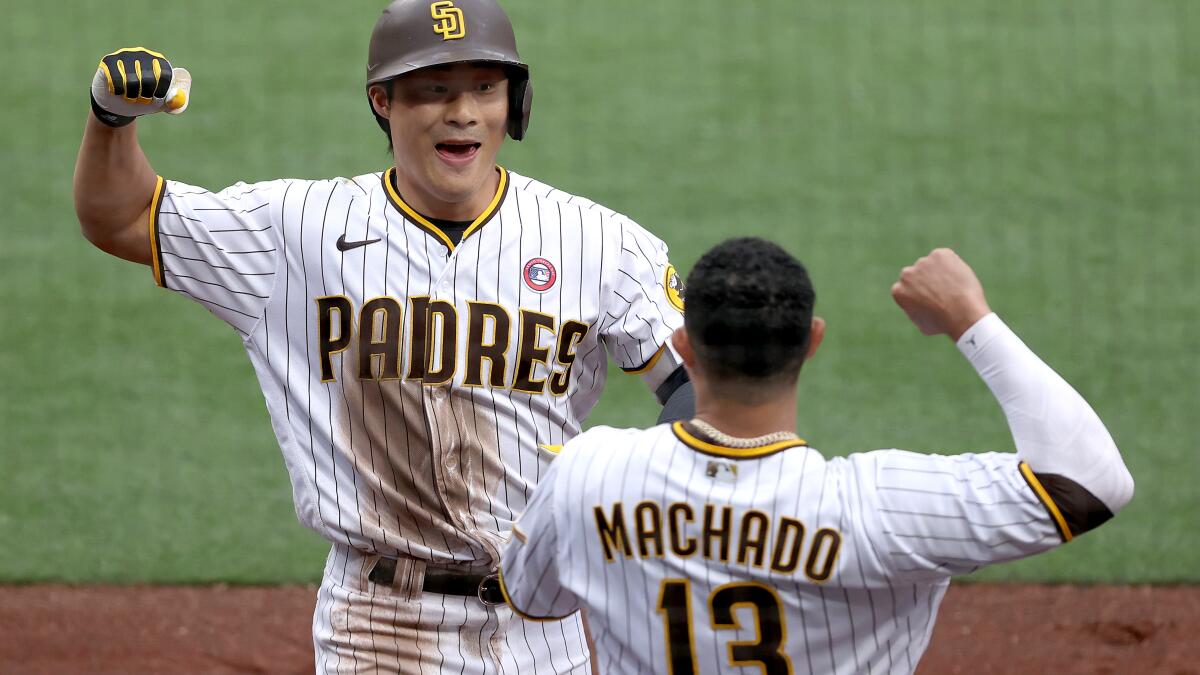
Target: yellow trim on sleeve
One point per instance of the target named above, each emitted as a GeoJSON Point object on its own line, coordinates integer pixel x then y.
{"type": "Point", "coordinates": [155, 203]}
{"type": "Point", "coordinates": [736, 453]}
{"type": "Point", "coordinates": [649, 364]}
{"type": "Point", "coordinates": [436, 231]}
{"type": "Point", "coordinates": [554, 449]}
{"type": "Point", "coordinates": [520, 535]}
{"type": "Point", "coordinates": [1036, 484]}
{"type": "Point", "coordinates": [516, 610]}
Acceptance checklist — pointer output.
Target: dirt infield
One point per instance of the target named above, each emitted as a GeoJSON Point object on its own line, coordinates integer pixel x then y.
{"type": "Point", "coordinates": [981, 629]}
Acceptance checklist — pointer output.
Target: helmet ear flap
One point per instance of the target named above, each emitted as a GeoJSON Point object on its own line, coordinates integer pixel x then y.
{"type": "Point", "coordinates": [520, 101]}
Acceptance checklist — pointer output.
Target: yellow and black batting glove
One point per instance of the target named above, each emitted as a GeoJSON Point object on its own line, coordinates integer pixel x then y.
{"type": "Point", "coordinates": [136, 81]}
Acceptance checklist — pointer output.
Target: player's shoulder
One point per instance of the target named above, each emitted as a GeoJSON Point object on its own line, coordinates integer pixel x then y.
{"type": "Point", "coordinates": [544, 191]}
{"type": "Point", "coordinates": [363, 184]}
{"type": "Point", "coordinates": [281, 188]}
{"type": "Point", "coordinates": [612, 221]}
{"type": "Point", "coordinates": [893, 465]}
{"type": "Point", "coordinates": [614, 441]}
{"type": "Point", "coordinates": [602, 432]}
{"type": "Point", "coordinates": [590, 460]}
{"type": "Point", "coordinates": [269, 188]}
{"type": "Point", "coordinates": [336, 187]}
{"type": "Point", "coordinates": [319, 194]}
{"type": "Point", "coordinates": [238, 189]}
{"type": "Point", "coordinates": [367, 183]}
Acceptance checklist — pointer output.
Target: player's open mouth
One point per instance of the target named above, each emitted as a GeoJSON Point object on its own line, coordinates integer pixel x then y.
{"type": "Point", "coordinates": [456, 152]}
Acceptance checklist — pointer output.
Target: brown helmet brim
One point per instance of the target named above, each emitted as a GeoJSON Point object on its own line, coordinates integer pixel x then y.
{"type": "Point", "coordinates": [439, 57]}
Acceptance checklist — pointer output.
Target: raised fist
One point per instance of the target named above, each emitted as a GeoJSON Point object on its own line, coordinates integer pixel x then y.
{"type": "Point", "coordinates": [136, 81]}
{"type": "Point", "coordinates": [941, 294]}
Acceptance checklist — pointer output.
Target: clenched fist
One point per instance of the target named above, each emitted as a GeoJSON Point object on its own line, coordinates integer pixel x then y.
{"type": "Point", "coordinates": [136, 81]}
{"type": "Point", "coordinates": [941, 294]}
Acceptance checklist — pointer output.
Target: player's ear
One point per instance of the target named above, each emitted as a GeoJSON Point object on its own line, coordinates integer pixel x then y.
{"type": "Point", "coordinates": [379, 101]}
{"type": "Point", "coordinates": [815, 335]}
{"type": "Point", "coordinates": [683, 347]}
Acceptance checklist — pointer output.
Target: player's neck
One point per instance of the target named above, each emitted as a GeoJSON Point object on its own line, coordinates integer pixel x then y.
{"type": "Point", "coordinates": [745, 420]}
{"type": "Point", "coordinates": [430, 206]}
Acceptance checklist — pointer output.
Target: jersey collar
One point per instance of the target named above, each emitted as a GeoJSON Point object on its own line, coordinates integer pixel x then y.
{"type": "Point", "coordinates": [708, 448]}
{"type": "Point", "coordinates": [422, 222]}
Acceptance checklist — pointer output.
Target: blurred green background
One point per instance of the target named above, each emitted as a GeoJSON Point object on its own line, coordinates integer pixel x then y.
{"type": "Point", "coordinates": [1056, 145]}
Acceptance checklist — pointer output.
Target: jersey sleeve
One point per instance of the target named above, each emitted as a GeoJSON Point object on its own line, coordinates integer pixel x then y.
{"type": "Point", "coordinates": [220, 249]}
{"type": "Point", "coordinates": [529, 567]}
{"type": "Point", "coordinates": [927, 517]}
{"type": "Point", "coordinates": [645, 306]}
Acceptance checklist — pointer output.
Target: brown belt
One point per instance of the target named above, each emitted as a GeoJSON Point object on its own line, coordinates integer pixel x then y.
{"type": "Point", "coordinates": [484, 587]}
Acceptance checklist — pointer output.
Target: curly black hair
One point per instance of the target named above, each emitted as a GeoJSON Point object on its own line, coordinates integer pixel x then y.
{"type": "Point", "coordinates": [749, 312]}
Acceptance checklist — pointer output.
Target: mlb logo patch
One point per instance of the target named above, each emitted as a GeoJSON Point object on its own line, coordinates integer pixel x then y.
{"type": "Point", "coordinates": [724, 472]}
{"type": "Point", "coordinates": [540, 274]}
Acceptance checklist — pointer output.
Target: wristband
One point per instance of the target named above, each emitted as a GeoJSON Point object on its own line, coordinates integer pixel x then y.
{"type": "Point", "coordinates": [109, 119]}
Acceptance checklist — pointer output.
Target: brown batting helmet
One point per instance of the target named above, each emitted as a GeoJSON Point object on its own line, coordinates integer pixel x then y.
{"type": "Point", "coordinates": [414, 34]}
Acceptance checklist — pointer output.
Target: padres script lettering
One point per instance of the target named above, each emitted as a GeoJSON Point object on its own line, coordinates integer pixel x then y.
{"type": "Point", "coordinates": [721, 537]}
{"type": "Point", "coordinates": [433, 343]}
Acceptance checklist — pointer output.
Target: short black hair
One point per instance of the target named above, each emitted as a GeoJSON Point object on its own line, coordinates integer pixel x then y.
{"type": "Point", "coordinates": [749, 313]}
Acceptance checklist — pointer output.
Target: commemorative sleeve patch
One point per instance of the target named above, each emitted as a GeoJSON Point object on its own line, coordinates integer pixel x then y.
{"type": "Point", "coordinates": [673, 285]}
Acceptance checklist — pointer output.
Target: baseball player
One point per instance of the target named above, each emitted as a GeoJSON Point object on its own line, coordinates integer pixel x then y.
{"type": "Point", "coordinates": [426, 337]}
{"type": "Point", "coordinates": [725, 544]}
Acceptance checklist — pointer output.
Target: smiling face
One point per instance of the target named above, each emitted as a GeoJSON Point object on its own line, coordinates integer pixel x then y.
{"type": "Point", "coordinates": [447, 124]}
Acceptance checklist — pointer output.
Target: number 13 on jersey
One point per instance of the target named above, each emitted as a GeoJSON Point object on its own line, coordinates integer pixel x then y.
{"type": "Point", "coordinates": [765, 651]}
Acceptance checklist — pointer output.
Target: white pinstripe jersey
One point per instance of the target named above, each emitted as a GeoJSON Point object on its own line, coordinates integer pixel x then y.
{"type": "Point", "coordinates": [412, 382]}
{"type": "Point", "coordinates": [692, 557]}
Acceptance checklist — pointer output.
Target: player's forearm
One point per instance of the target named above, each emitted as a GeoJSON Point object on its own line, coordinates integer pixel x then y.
{"type": "Point", "coordinates": [114, 185]}
{"type": "Point", "coordinates": [1054, 428]}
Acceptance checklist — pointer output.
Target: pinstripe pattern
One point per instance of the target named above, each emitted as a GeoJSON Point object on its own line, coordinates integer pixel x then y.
{"type": "Point", "coordinates": [906, 521]}
{"type": "Point", "coordinates": [360, 626]}
{"type": "Point", "coordinates": [398, 467]}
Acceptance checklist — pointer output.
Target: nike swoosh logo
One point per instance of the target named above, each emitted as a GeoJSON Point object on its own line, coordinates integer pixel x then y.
{"type": "Point", "coordinates": [344, 245]}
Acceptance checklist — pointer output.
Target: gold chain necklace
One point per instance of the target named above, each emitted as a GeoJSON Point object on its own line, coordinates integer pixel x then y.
{"type": "Point", "coordinates": [728, 441]}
